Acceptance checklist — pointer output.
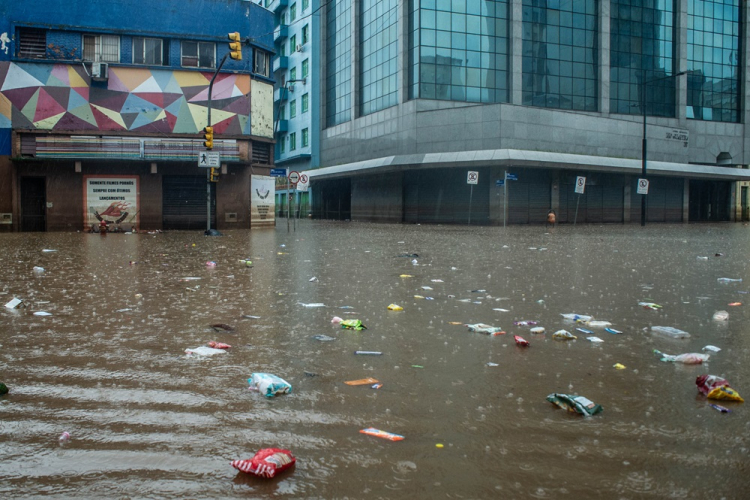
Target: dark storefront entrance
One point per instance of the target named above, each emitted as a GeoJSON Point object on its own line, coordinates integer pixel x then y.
{"type": "Point", "coordinates": [709, 201]}
{"type": "Point", "coordinates": [33, 204]}
{"type": "Point", "coordinates": [184, 203]}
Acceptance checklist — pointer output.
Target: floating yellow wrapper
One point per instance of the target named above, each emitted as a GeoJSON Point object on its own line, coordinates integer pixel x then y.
{"type": "Point", "coordinates": [394, 307]}
{"type": "Point", "coordinates": [619, 366]}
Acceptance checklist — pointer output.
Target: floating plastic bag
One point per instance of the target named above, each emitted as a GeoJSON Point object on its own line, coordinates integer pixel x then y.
{"type": "Point", "coordinates": [395, 307]}
{"type": "Point", "coordinates": [486, 329]}
{"type": "Point", "coordinates": [563, 335]}
{"type": "Point", "coordinates": [537, 329]}
{"type": "Point", "coordinates": [525, 323]}
{"type": "Point", "coordinates": [597, 324]}
{"type": "Point", "coordinates": [576, 317]}
{"type": "Point", "coordinates": [352, 324]}
{"type": "Point", "coordinates": [370, 431]}
{"type": "Point", "coordinates": [649, 305]}
{"type": "Point", "coordinates": [204, 351]}
{"type": "Point", "coordinates": [669, 331]}
{"type": "Point", "coordinates": [720, 316]}
{"type": "Point", "coordinates": [715, 387]}
{"type": "Point", "coordinates": [521, 341]}
{"type": "Point", "coordinates": [266, 463]}
{"type": "Point", "coordinates": [575, 404]}
{"type": "Point", "coordinates": [269, 385]}
{"type": "Point", "coordinates": [691, 358]}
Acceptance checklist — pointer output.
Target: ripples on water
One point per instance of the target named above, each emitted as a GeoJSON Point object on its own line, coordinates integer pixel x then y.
{"type": "Point", "coordinates": [108, 365]}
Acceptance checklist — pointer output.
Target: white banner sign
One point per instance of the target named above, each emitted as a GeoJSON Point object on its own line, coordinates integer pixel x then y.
{"type": "Point", "coordinates": [262, 201]}
{"type": "Point", "coordinates": [111, 198]}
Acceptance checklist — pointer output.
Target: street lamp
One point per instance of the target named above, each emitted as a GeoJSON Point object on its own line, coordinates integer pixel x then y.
{"type": "Point", "coordinates": [644, 144]}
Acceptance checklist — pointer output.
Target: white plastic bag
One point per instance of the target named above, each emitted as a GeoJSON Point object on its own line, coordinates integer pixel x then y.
{"type": "Point", "coordinates": [669, 331]}
{"type": "Point", "coordinates": [268, 384]}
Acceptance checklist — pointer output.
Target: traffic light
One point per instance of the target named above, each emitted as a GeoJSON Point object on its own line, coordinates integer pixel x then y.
{"type": "Point", "coordinates": [235, 46]}
{"type": "Point", "coordinates": [214, 175]}
{"type": "Point", "coordinates": [208, 136]}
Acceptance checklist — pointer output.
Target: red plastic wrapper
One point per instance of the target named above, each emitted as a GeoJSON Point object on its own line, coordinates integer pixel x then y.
{"type": "Point", "coordinates": [268, 462]}
{"type": "Point", "coordinates": [218, 345]}
{"type": "Point", "coordinates": [521, 341]}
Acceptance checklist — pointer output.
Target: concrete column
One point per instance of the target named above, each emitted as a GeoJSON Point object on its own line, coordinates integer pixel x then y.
{"type": "Point", "coordinates": [515, 34]}
{"type": "Point", "coordinates": [604, 61]}
{"type": "Point", "coordinates": [686, 201]}
{"type": "Point", "coordinates": [626, 196]}
{"type": "Point", "coordinates": [680, 56]}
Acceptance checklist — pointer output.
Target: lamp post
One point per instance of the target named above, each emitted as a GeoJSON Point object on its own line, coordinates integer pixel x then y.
{"type": "Point", "coordinates": [644, 143]}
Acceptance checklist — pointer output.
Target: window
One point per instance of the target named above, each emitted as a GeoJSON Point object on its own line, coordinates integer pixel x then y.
{"type": "Point", "coordinates": [292, 141]}
{"type": "Point", "coordinates": [292, 109]}
{"type": "Point", "coordinates": [305, 34]}
{"type": "Point", "coordinates": [305, 5]}
{"type": "Point", "coordinates": [293, 74]}
{"type": "Point", "coordinates": [282, 51]}
{"type": "Point", "coordinates": [32, 43]}
{"type": "Point", "coordinates": [261, 63]}
{"type": "Point", "coordinates": [101, 48]}
{"type": "Point", "coordinates": [292, 44]}
{"type": "Point", "coordinates": [338, 48]}
{"type": "Point", "coordinates": [378, 54]}
{"type": "Point", "coordinates": [292, 13]}
{"type": "Point", "coordinates": [282, 112]}
{"type": "Point", "coordinates": [305, 68]}
{"type": "Point", "coordinates": [198, 54]}
{"type": "Point", "coordinates": [282, 144]}
{"type": "Point", "coordinates": [150, 51]}
{"type": "Point", "coordinates": [305, 138]}
{"type": "Point", "coordinates": [305, 103]}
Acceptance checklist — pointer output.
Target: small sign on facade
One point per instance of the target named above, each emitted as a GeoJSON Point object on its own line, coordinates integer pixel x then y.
{"type": "Point", "coordinates": [642, 186]}
{"type": "Point", "coordinates": [679, 135]}
{"type": "Point", "coordinates": [580, 184]}
{"type": "Point", "coordinates": [472, 177]}
{"type": "Point", "coordinates": [511, 177]}
{"type": "Point", "coordinates": [278, 172]}
{"type": "Point", "coordinates": [207, 159]}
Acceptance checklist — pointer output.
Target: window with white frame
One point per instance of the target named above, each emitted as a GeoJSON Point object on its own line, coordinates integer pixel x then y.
{"type": "Point", "coordinates": [150, 51]}
{"type": "Point", "coordinates": [198, 54]}
{"type": "Point", "coordinates": [305, 137]}
{"type": "Point", "coordinates": [292, 141]}
{"type": "Point", "coordinates": [101, 48]}
{"type": "Point", "coordinates": [260, 66]}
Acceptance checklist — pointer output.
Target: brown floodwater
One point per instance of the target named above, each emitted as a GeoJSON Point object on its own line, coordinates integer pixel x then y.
{"type": "Point", "coordinates": [108, 364]}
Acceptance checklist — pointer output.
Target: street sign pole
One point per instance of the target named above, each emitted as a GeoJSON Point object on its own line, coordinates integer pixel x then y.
{"type": "Point", "coordinates": [287, 199]}
{"type": "Point", "coordinates": [575, 219]}
{"type": "Point", "coordinates": [505, 197]}
{"type": "Point", "coordinates": [471, 194]}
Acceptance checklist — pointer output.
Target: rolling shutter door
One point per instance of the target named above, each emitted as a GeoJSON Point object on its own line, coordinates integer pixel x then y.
{"type": "Point", "coordinates": [673, 200]}
{"type": "Point", "coordinates": [612, 203]}
{"type": "Point", "coordinates": [184, 203]}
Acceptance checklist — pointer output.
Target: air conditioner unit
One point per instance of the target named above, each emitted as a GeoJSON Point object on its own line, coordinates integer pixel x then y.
{"type": "Point", "coordinates": [300, 48]}
{"type": "Point", "coordinates": [99, 71]}
{"type": "Point", "coordinates": [291, 87]}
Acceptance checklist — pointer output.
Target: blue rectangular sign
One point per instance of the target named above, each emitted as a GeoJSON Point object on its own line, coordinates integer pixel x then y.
{"type": "Point", "coordinates": [499, 182]}
{"type": "Point", "coordinates": [511, 177]}
{"type": "Point", "coordinates": [278, 172]}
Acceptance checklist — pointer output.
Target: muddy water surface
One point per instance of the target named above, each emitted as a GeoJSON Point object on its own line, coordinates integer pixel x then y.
{"type": "Point", "coordinates": [108, 364]}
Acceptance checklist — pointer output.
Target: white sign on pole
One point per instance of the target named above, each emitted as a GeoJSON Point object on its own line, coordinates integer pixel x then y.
{"type": "Point", "coordinates": [580, 184]}
{"type": "Point", "coordinates": [294, 177]}
{"type": "Point", "coordinates": [472, 177]}
{"type": "Point", "coordinates": [208, 159]}
{"type": "Point", "coordinates": [304, 183]}
{"type": "Point", "coordinates": [642, 186]}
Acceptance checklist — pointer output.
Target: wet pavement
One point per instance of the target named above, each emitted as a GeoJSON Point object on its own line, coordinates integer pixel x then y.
{"type": "Point", "coordinates": [108, 364]}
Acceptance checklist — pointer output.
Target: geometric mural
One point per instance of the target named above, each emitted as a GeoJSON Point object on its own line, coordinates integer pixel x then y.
{"type": "Point", "coordinates": [63, 97]}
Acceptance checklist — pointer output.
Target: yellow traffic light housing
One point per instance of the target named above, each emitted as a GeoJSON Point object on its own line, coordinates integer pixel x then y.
{"type": "Point", "coordinates": [214, 175]}
{"type": "Point", "coordinates": [208, 137]}
{"type": "Point", "coordinates": [235, 46]}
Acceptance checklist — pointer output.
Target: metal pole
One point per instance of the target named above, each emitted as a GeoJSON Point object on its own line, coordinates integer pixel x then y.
{"type": "Point", "coordinates": [471, 194]}
{"type": "Point", "coordinates": [208, 172]}
{"type": "Point", "coordinates": [575, 219]}
{"type": "Point", "coordinates": [644, 148]}
{"type": "Point", "coordinates": [287, 199]}
{"type": "Point", "coordinates": [505, 197]}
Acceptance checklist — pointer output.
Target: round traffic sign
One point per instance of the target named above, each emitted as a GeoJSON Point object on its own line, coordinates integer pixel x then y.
{"type": "Point", "coordinates": [294, 177]}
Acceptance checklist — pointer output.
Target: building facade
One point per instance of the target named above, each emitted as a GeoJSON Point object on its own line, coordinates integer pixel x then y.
{"type": "Point", "coordinates": [492, 111]}
{"type": "Point", "coordinates": [102, 108]}
{"type": "Point", "coordinates": [296, 93]}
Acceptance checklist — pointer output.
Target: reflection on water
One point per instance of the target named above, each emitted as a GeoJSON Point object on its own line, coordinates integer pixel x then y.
{"type": "Point", "coordinates": [108, 364]}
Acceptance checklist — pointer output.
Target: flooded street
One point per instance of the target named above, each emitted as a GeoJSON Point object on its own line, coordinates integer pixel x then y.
{"type": "Point", "coordinates": [108, 364]}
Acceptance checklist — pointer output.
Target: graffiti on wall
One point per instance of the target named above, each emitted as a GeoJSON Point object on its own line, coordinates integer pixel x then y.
{"type": "Point", "coordinates": [62, 97]}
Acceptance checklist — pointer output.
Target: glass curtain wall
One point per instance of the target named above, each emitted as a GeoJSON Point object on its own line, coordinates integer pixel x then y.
{"type": "Point", "coordinates": [458, 50]}
{"type": "Point", "coordinates": [560, 54]}
{"type": "Point", "coordinates": [338, 62]}
{"type": "Point", "coordinates": [642, 45]}
{"type": "Point", "coordinates": [378, 54]}
{"type": "Point", "coordinates": [713, 53]}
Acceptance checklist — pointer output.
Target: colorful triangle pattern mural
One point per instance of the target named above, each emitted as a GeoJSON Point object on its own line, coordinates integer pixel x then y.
{"type": "Point", "coordinates": [62, 97]}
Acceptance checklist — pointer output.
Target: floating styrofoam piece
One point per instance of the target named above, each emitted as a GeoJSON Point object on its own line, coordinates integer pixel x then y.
{"type": "Point", "coordinates": [204, 351]}
{"type": "Point", "coordinates": [42, 313]}
{"type": "Point", "coordinates": [15, 304]}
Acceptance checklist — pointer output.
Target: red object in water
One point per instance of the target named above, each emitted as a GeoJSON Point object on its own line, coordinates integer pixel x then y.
{"type": "Point", "coordinates": [521, 341]}
{"type": "Point", "coordinates": [103, 226]}
{"type": "Point", "coordinates": [266, 463]}
{"type": "Point", "coordinates": [218, 345]}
